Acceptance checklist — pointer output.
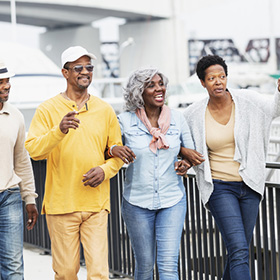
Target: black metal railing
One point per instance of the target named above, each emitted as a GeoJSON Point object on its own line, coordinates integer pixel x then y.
{"type": "Point", "coordinates": [39, 236]}
{"type": "Point", "coordinates": [202, 252]}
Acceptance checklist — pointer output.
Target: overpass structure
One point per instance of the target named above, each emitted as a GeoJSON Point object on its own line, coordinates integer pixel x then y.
{"type": "Point", "coordinates": [156, 26]}
{"type": "Point", "coordinates": [55, 14]}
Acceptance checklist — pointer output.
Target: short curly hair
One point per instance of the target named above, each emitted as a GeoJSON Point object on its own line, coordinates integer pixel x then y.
{"type": "Point", "coordinates": [137, 83]}
{"type": "Point", "coordinates": [207, 61]}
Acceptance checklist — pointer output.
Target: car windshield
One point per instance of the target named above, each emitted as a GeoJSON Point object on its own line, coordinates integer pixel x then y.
{"type": "Point", "coordinates": [175, 89]}
{"type": "Point", "coordinates": [194, 88]}
{"type": "Point", "coordinates": [189, 88]}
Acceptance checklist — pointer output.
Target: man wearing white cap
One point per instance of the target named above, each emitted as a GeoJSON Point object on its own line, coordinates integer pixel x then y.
{"type": "Point", "coordinates": [16, 184]}
{"type": "Point", "coordinates": [72, 131]}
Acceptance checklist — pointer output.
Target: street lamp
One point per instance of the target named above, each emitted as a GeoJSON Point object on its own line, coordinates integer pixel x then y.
{"type": "Point", "coordinates": [130, 41]}
{"type": "Point", "coordinates": [13, 19]}
{"type": "Point", "coordinates": [272, 45]}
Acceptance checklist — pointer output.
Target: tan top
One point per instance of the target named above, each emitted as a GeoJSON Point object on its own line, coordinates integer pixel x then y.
{"type": "Point", "coordinates": [221, 148]}
{"type": "Point", "coordinates": [15, 164]}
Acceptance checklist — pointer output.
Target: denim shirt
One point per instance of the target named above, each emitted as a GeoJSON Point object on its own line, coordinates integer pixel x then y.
{"type": "Point", "coordinates": [151, 180]}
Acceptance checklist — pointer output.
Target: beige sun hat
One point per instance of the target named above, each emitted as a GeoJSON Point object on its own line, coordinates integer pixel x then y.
{"type": "Point", "coordinates": [4, 72]}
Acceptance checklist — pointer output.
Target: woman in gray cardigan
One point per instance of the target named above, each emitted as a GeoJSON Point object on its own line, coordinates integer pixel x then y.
{"type": "Point", "coordinates": [231, 129]}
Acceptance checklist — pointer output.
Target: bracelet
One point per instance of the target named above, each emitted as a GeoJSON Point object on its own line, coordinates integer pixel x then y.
{"type": "Point", "coordinates": [110, 150]}
{"type": "Point", "coordinates": [108, 153]}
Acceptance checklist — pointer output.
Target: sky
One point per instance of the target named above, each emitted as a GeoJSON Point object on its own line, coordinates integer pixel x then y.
{"type": "Point", "coordinates": [240, 20]}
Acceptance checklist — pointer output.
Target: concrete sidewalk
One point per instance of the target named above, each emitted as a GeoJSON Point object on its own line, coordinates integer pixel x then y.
{"type": "Point", "coordinates": [38, 266]}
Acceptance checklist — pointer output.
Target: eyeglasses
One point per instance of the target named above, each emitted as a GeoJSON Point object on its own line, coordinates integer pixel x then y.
{"type": "Point", "coordinates": [79, 68]}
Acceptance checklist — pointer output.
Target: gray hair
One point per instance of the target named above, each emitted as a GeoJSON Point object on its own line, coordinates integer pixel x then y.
{"type": "Point", "coordinates": [137, 83]}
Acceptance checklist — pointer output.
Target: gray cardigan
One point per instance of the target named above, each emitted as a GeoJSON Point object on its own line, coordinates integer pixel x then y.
{"type": "Point", "coordinates": [253, 116]}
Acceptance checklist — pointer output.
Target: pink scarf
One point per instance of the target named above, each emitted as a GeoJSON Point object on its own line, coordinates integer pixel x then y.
{"type": "Point", "coordinates": [159, 140]}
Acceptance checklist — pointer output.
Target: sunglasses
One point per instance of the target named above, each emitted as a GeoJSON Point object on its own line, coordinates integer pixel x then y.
{"type": "Point", "coordinates": [79, 68]}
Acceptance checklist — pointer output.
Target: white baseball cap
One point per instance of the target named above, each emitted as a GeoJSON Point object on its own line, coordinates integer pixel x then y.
{"type": "Point", "coordinates": [73, 53]}
{"type": "Point", "coordinates": [4, 73]}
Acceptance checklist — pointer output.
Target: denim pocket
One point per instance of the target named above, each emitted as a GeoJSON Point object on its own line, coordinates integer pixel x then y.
{"type": "Point", "coordinates": [173, 138]}
{"type": "Point", "coordinates": [137, 139]}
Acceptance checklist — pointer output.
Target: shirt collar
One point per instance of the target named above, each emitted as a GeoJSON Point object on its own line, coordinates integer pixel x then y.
{"type": "Point", "coordinates": [134, 121]}
{"type": "Point", "coordinates": [5, 109]}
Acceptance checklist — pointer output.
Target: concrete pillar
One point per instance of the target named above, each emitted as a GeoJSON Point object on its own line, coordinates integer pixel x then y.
{"type": "Point", "coordinates": [158, 43]}
{"type": "Point", "coordinates": [54, 42]}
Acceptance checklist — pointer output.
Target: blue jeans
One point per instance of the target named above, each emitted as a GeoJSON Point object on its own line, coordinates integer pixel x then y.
{"type": "Point", "coordinates": [234, 207]}
{"type": "Point", "coordinates": [11, 235]}
{"type": "Point", "coordinates": [155, 233]}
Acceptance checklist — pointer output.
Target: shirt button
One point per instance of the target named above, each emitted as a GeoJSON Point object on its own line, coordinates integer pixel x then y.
{"type": "Point", "coordinates": [155, 191]}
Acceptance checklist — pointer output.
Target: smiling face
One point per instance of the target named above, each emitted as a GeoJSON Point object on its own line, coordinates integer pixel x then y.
{"type": "Point", "coordinates": [79, 81]}
{"type": "Point", "coordinates": [215, 80]}
{"type": "Point", "coordinates": [4, 90]}
{"type": "Point", "coordinates": [154, 93]}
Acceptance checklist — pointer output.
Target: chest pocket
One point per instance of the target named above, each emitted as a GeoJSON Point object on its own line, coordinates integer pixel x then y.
{"type": "Point", "coordinates": [137, 139]}
{"type": "Point", "coordinates": [173, 137]}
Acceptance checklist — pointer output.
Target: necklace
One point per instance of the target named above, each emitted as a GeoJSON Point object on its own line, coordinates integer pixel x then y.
{"type": "Point", "coordinates": [80, 105]}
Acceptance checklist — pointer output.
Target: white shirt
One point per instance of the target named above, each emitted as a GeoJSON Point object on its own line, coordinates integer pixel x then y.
{"type": "Point", "coordinates": [15, 164]}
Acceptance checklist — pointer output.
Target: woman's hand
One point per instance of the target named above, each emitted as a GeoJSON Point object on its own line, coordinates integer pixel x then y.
{"type": "Point", "coordinates": [124, 153]}
{"type": "Point", "coordinates": [194, 157]}
{"type": "Point", "coordinates": [181, 167]}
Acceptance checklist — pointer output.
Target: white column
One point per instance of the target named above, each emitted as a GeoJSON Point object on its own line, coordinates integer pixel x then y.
{"type": "Point", "coordinates": [158, 43]}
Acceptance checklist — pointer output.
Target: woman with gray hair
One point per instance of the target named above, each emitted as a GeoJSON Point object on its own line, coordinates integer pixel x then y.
{"type": "Point", "coordinates": [154, 201]}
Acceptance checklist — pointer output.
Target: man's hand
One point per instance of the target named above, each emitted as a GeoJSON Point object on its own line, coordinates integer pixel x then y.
{"type": "Point", "coordinates": [194, 157]}
{"type": "Point", "coordinates": [32, 213]}
{"type": "Point", "coordinates": [124, 153]}
{"type": "Point", "coordinates": [181, 167]}
{"type": "Point", "coordinates": [69, 121]}
{"type": "Point", "coordinates": [94, 177]}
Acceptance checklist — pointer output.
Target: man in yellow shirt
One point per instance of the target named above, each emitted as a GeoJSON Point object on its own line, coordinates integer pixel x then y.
{"type": "Point", "coordinates": [72, 131]}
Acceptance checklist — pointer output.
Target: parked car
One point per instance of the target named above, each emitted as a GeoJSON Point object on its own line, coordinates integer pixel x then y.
{"type": "Point", "coordinates": [181, 95]}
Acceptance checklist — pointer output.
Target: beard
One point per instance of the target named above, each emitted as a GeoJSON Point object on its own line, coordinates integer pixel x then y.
{"type": "Point", "coordinates": [4, 99]}
{"type": "Point", "coordinates": [83, 87]}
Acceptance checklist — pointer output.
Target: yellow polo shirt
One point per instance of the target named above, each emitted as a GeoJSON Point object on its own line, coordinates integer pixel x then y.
{"type": "Point", "coordinates": [71, 155]}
